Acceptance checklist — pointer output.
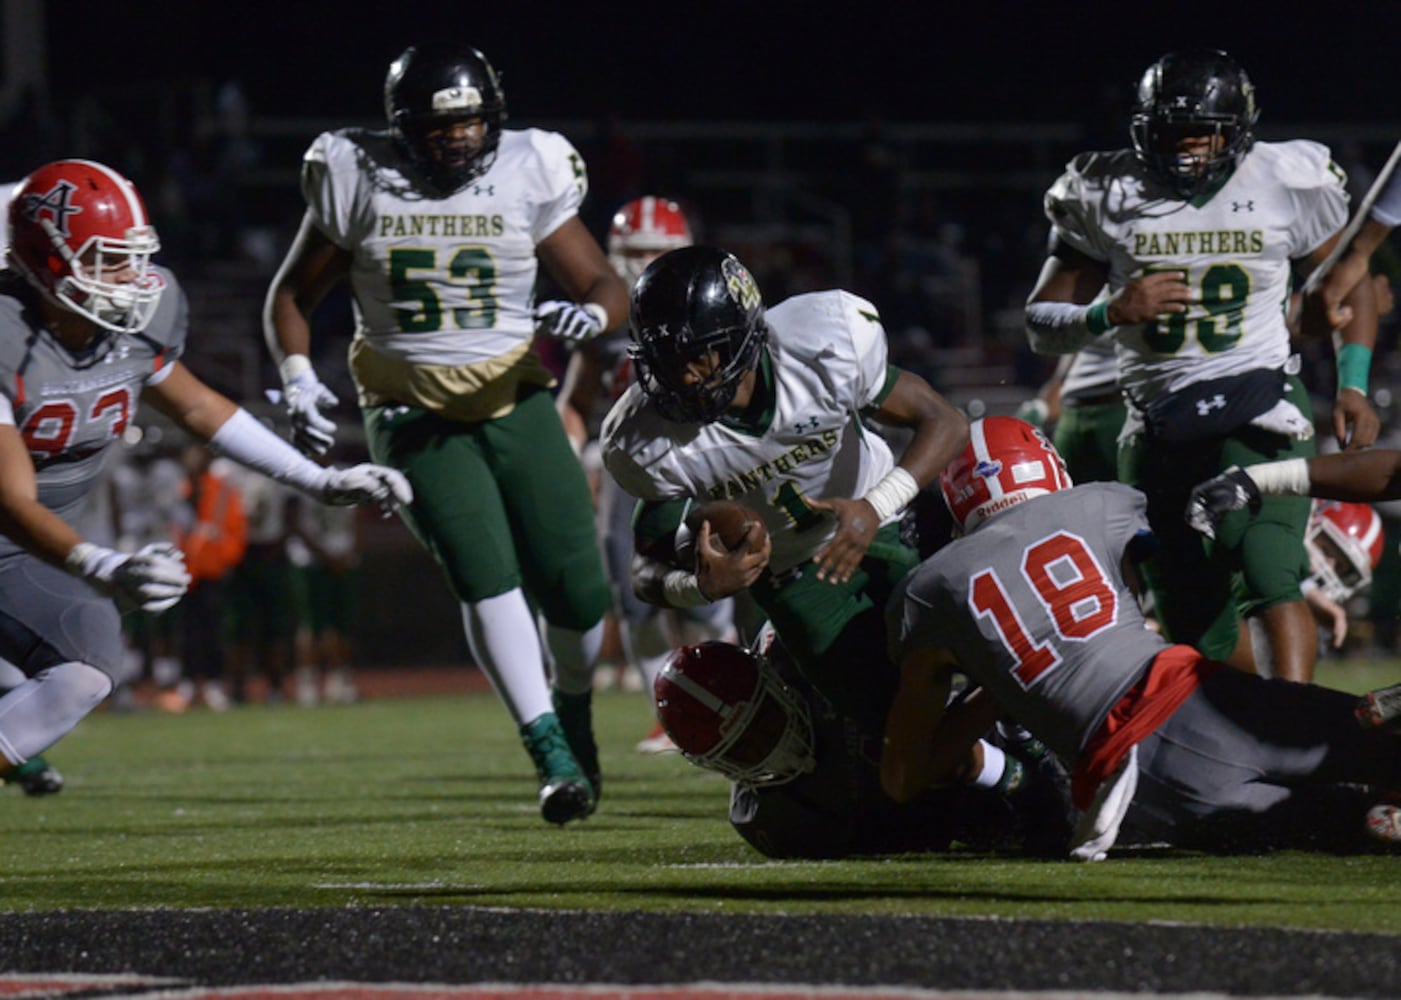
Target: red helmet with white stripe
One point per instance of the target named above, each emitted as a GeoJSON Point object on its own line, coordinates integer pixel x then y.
{"type": "Point", "coordinates": [1007, 461]}
{"type": "Point", "coordinates": [80, 234]}
{"type": "Point", "coordinates": [1344, 542]}
{"type": "Point", "coordinates": [727, 709]}
{"type": "Point", "coordinates": [643, 230]}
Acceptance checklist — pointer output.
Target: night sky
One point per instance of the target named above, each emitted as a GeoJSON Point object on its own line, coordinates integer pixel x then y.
{"type": "Point", "coordinates": [720, 61]}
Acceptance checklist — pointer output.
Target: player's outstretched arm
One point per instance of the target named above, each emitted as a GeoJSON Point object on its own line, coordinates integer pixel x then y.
{"type": "Point", "coordinates": [1354, 476]}
{"type": "Point", "coordinates": [233, 431]}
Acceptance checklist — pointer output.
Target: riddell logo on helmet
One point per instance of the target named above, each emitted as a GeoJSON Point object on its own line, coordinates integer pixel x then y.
{"type": "Point", "coordinates": [58, 202]}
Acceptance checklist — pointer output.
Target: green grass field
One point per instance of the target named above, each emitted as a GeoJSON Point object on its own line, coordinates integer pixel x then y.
{"type": "Point", "coordinates": [431, 801]}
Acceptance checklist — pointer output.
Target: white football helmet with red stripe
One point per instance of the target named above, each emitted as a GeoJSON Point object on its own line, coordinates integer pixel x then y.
{"type": "Point", "coordinates": [643, 230]}
{"type": "Point", "coordinates": [727, 709]}
{"type": "Point", "coordinates": [1344, 542]}
{"type": "Point", "coordinates": [80, 234]}
{"type": "Point", "coordinates": [1006, 461]}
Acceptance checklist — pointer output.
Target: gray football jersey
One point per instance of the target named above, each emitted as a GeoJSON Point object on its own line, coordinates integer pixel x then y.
{"type": "Point", "coordinates": [1034, 607]}
{"type": "Point", "coordinates": [70, 408]}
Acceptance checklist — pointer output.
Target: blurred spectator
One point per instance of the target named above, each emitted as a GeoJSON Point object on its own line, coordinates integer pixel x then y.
{"type": "Point", "coordinates": [260, 596]}
{"type": "Point", "coordinates": [213, 534]}
{"type": "Point", "coordinates": [324, 548]}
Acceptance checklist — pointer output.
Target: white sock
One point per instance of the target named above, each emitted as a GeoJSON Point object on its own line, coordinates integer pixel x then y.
{"type": "Point", "coordinates": [573, 655]}
{"type": "Point", "coordinates": [41, 711]}
{"type": "Point", "coordinates": [11, 676]}
{"type": "Point", "coordinates": [501, 633]}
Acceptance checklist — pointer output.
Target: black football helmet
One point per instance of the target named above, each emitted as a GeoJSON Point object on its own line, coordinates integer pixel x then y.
{"type": "Point", "coordinates": [688, 304]}
{"type": "Point", "coordinates": [1193, 93]}
{"type": "Point", "coordinates": [431, 86]}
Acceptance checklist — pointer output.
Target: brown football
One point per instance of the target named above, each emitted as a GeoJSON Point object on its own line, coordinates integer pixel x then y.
{"type": "Point", "coordinates": [729, 520]}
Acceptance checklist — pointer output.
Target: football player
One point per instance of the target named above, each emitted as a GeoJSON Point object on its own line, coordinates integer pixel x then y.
{"type": "Point", "coordinates": [1197, 230]}
{"type": "Point", "coordinates": [806, 779]}
{"type": "Point", "coordinates": [1034, 603]}
{"type": "Point", "coordinates": [90, 327]}
{"type": "Point", "coordinates": [1344, 542]}
{"type": "Point", "coordinates": [641, 231]}
{"type": "Point", "coordinates": [767, 408]}
{"type": "Point", "coordinates": [441, 223]}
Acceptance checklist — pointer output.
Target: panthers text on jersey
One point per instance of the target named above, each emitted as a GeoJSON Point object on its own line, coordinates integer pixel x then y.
{"type": "Point", "coordinates": [1235, 246]}
{"type": "Point", "coordinates": [1034, 607]}
{"type": "Point", "coordinates": [442, 281]}
{"type": "Point", "coordinates": [828, 354]}
{"type": "Point", "coordinates": [70, 408]}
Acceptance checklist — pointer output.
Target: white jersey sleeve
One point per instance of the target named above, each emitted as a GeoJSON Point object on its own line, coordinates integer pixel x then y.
{"type": "Point", "coordinates": [1073, 203]}
{"type": "Point", "coordinates": [562, 182]}
{"type": "Point", "coordinates": [330, 180]}
{"type": "Point", "coordinates": [1318, 190]}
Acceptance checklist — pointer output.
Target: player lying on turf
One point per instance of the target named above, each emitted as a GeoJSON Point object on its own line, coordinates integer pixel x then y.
{"type": "Point", "coordinates": [1035, 603]}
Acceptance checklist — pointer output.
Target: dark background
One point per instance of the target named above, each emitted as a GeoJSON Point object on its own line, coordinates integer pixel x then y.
{"type": "Point", "coordinates": [726, 60]}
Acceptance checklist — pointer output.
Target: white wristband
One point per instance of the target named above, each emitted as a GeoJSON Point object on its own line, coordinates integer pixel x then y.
{"type": "Point", "coordinates": [292, 366]}
{"type": "Point", "coordinates": [893, 493]}
{"type": "Point", "coordinates": [994, 764]}
{"type": "Point", "coordinates": [682, 589]}
{"type": "Point", "coordinates": [77, 557]}
{"type": "Point", "coordinates": [1289, 478]}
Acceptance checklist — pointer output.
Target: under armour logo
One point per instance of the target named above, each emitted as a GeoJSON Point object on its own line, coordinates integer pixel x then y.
{"type": "Point", "coordinates": [1205, 406]}
{"type": "Point", "coordinates": [805, 425]}
{"type": "Point", "coordinates": [57, 202]}
{"type": "Point", "coordinates": [484, 189]}
{"type": "Point", "coordinates": [1243, 206]}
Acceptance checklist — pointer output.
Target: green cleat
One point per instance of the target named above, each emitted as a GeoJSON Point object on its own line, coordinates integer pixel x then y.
{"type": "Point", "coordinates": [575, 713]}
{"type": "Point", "coordinates": [565, 793]}
{"type": "Point", "coordinates": [37, 777]}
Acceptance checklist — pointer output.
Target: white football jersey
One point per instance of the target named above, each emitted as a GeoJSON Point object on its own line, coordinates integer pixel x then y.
{"type": "Point", "coordinates": [828, 354]}
{"type": "Point", "coordinates": [446, 281]}
{"type": "Point", "coordinates": [1281, 203]}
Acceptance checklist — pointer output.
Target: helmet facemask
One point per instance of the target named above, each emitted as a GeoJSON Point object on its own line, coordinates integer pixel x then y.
{"type": "Point", "coordinates": [123, 305]}
{"type": "Point", "coordinates": [664, 359]}
{"type": "Point", "coordinates": [1344, 543]}
{"type": "Point", "coordinates": [1159, 139]}
{"type": "Point", "coordinates": [446, 162]}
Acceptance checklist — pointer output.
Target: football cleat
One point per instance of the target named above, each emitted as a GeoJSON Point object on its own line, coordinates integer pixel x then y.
{"type": "Point", "coordinates": [1380, 709]}
{"type": "Point", "coordinates": [575, 712]}
{"type": "Point", "coordinates": [565, 793]}
{"type": "Point", "coordinates": [37, 777]}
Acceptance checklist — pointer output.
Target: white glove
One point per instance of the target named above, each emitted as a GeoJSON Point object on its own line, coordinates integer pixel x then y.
{"type": "Point", "coordinates": [367, 483]}
{"type": "Point", "coordinates": [570, 321]}
{"type": "Point", "coordinates": [153, 579]}
{"type": "Point", "coordinates": [312, 431]}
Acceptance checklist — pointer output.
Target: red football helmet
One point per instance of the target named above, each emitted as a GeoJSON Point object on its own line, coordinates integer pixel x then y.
{"type": "Point", "coordinates": [80, 234]}
{"type": "Point", "coordinates": [1344, 543]}
{"type": "Point", "coordinates": [643, 230]}
{"type": "Point", "coordinates": [1007, 461]}
{"type": "Point", "coordinates": [727, 709]}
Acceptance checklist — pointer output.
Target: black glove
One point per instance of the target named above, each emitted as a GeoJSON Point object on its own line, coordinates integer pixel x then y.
{"type": "Point", "coordinates": [1212, 500]}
